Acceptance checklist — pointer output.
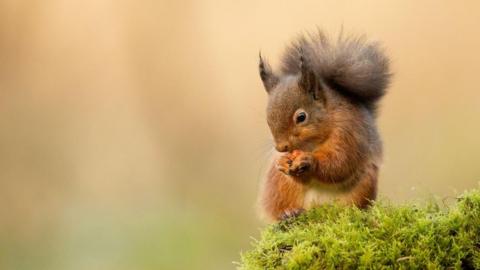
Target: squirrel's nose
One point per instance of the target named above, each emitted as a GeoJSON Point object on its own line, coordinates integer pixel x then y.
{"type": "Point", "coordinates": [282, 147]}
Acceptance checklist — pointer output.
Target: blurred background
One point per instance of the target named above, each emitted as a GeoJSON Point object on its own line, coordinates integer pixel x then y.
{"type": "Point", "coordinates": [133, 133]}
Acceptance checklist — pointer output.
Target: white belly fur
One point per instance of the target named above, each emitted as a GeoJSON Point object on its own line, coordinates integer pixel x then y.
{"type": "Point", "coordinates": [318, 193]}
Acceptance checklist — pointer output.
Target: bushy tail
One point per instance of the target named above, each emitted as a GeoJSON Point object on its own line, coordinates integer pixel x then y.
{"type": "Point", "coordinates": [351, 65]}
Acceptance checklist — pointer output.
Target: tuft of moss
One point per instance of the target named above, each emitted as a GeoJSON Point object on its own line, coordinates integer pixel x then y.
{"type": "Point", "coordinates": [383, 237]}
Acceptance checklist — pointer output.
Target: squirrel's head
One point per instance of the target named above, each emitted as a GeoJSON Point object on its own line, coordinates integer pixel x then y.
{"type": "Point", "coordinates": [297, 107]}
{"type": "Point", "coordinates": [323, 86]}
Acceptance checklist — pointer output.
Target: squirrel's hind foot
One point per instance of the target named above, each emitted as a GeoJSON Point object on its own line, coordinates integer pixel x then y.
{"type": "Point", "coordinates": [291, 213]}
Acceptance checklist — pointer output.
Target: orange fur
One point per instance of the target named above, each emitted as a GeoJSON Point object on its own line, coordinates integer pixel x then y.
{"type": "Point", "coordinates": [281, 194]}
{"type": "Point", "coordinates": [333, 151]}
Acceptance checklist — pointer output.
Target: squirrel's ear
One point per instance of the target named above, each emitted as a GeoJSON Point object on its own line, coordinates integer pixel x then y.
{"type": "Point", "coordinates": [309, 80]}
{"type": "Point", "coordinates": [268, 78]}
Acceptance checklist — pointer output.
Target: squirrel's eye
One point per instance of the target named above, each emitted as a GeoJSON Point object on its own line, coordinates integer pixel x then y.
{"type": "Point", "coordinates": [300, 117]}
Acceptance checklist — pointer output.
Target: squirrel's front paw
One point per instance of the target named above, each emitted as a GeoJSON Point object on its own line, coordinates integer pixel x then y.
{"type": "Point", "coordinates": [303, 163]}
{"type": "Point", "coordinates": [297, 164]}
{"type": "Point", "coordinates": [284, 163]}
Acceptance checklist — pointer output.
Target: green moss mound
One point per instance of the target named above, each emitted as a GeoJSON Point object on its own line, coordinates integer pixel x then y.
{"type": "Point", "coordinates": [383, 237]}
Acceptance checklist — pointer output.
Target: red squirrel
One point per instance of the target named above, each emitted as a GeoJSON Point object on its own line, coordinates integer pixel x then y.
{"type": "Point", "coordinates": [321, 112]}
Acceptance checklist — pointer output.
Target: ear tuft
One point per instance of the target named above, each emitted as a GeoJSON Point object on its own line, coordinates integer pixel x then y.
{"type": "Point", "coordinates": [308, 79]}
{"type": "Point", "coordinates": [268, 78]}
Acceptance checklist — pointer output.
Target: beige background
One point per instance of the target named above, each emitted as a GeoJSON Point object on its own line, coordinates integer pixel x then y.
{"type": "Point", "coordinates": [133, 135]}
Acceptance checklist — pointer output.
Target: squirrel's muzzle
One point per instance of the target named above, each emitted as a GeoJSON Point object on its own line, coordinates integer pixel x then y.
{"type": "Point", "coordinates": [283, 147]}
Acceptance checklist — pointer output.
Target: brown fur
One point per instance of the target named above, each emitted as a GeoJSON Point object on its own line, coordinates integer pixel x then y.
{"type": "Point", "coordinates": [336, 151]}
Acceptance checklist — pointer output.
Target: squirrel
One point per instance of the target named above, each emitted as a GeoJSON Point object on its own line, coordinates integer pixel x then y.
{"type": "Point", "coordinates": [321, 112]}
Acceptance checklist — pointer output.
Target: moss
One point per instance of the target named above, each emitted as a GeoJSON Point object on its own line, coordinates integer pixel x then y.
{"type": "Point", "coordinates": [382, 237]}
